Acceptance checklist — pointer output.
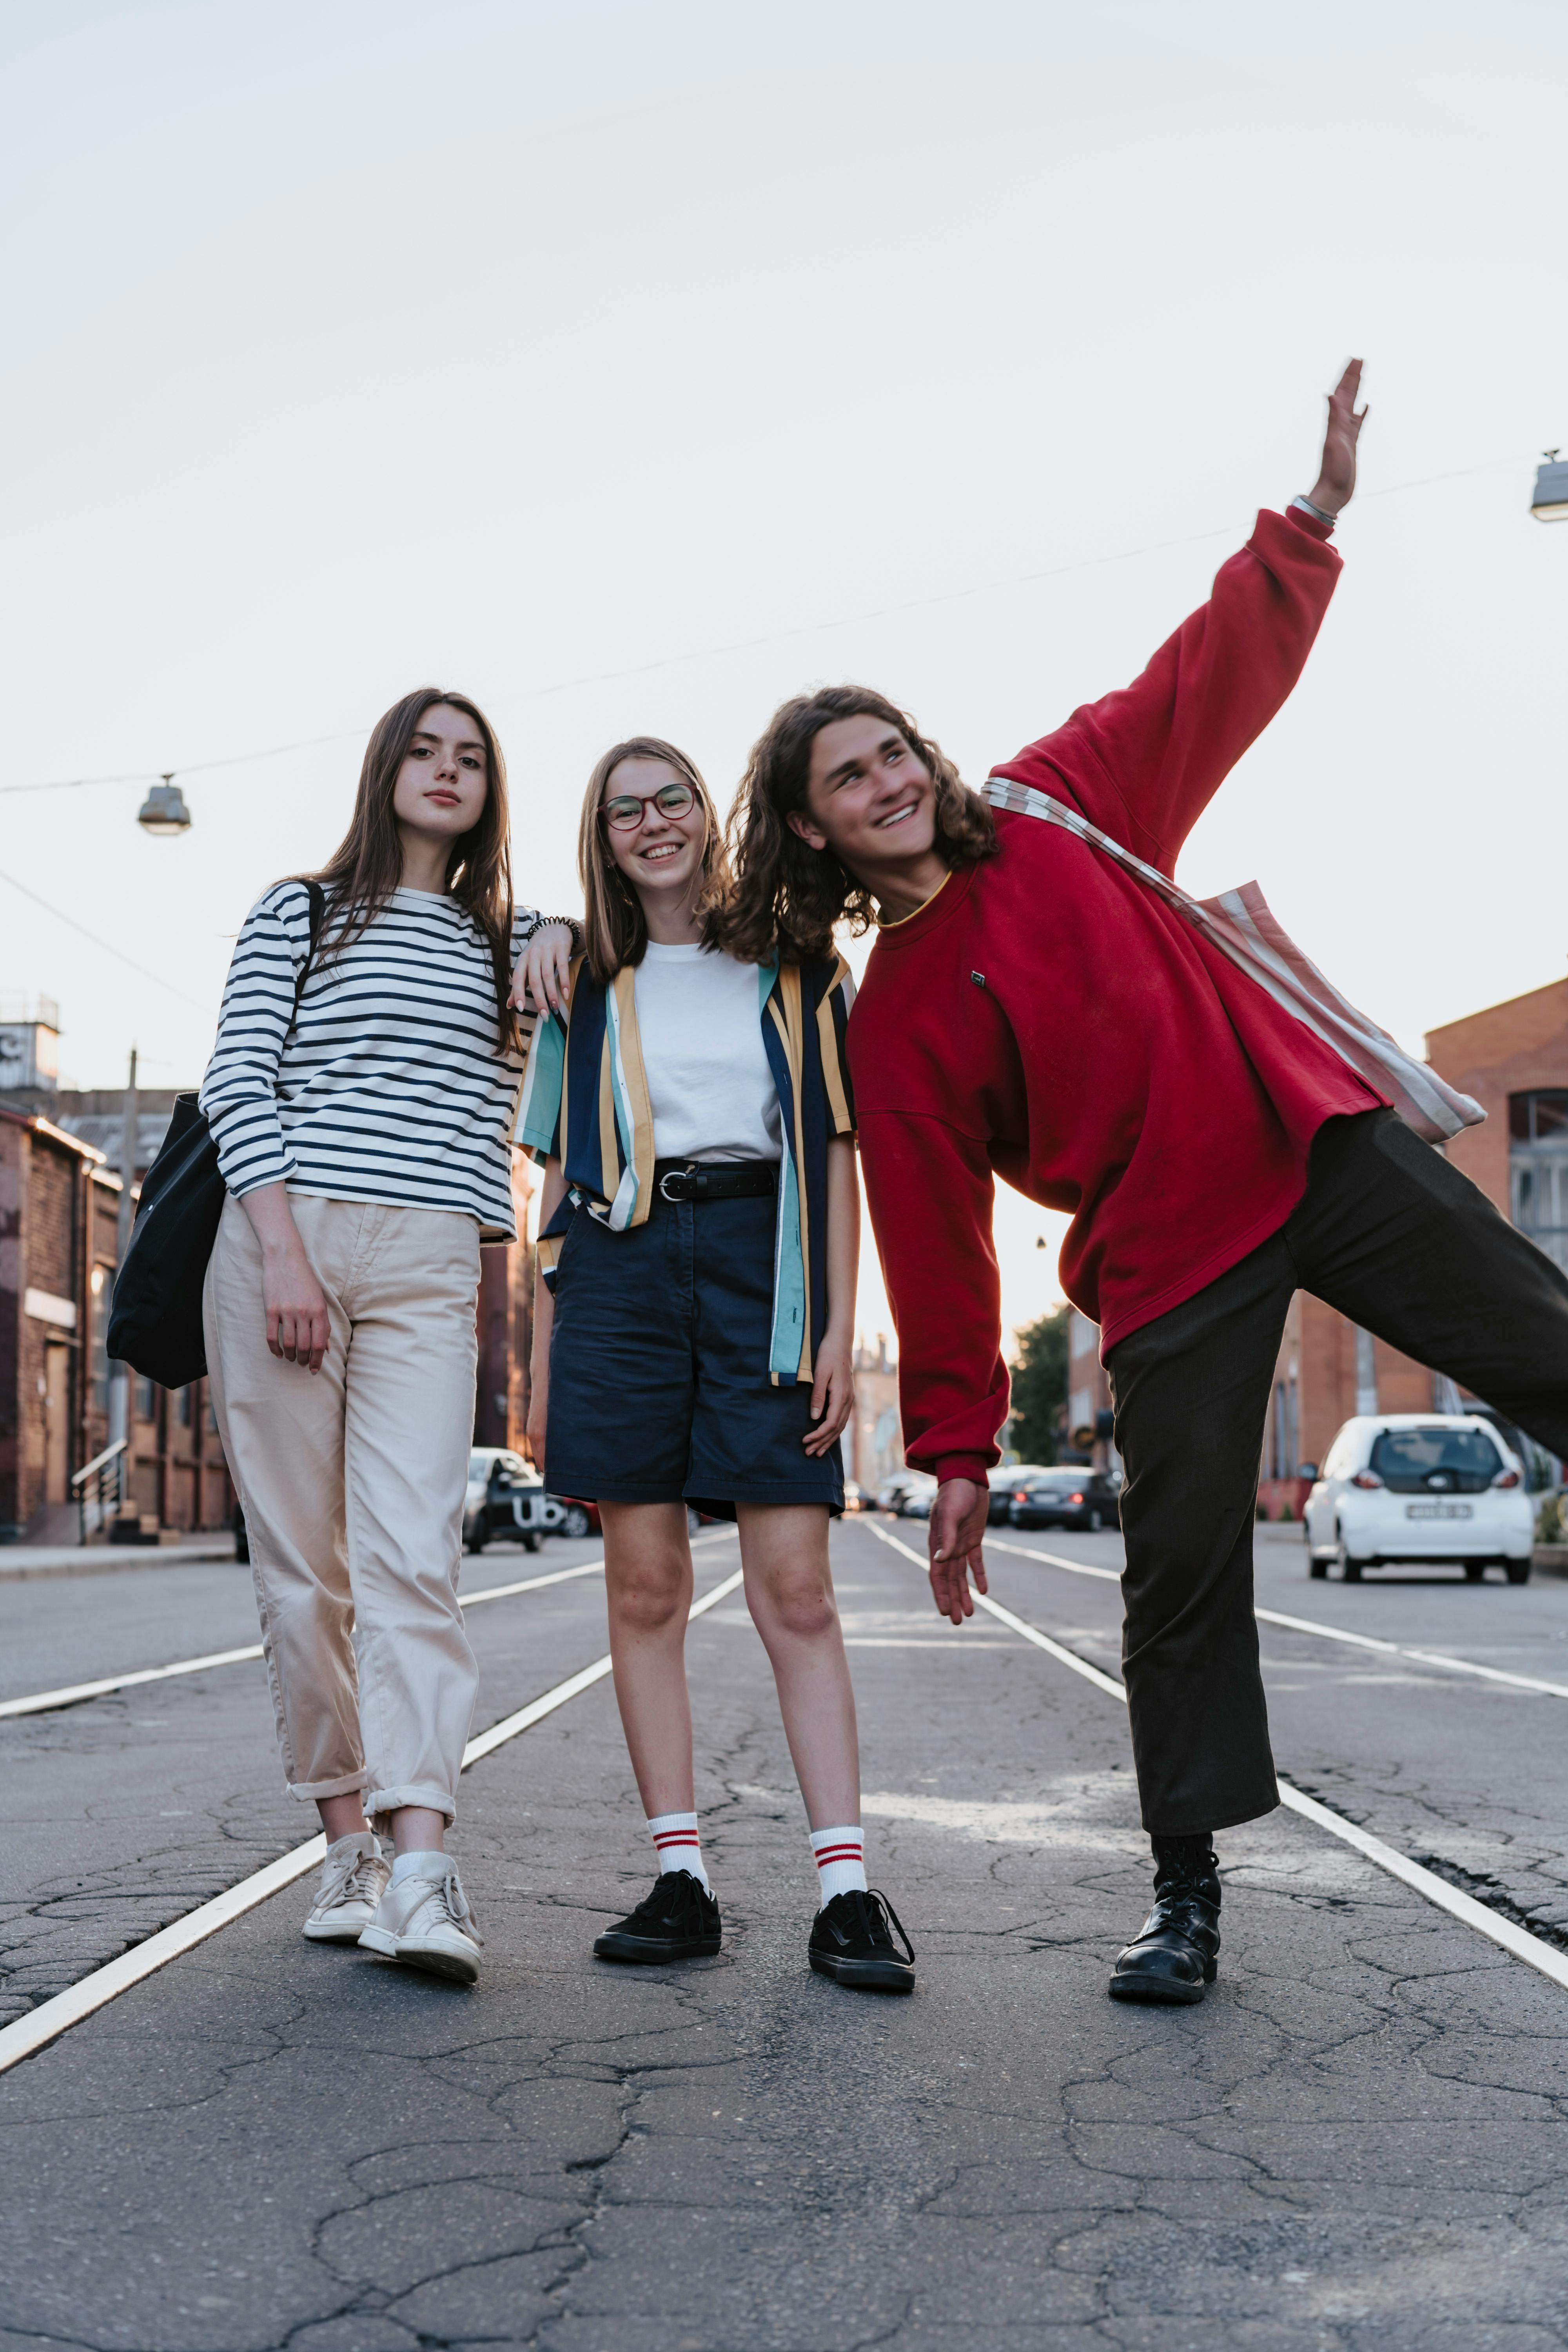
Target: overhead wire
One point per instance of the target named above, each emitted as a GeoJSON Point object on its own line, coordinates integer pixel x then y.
{"type": "Point", "coordinates": [747, 644]}
{"type": "Point", "coordinates": [666, 661]}
{"type": "Point", "coordinates": [107, 945]}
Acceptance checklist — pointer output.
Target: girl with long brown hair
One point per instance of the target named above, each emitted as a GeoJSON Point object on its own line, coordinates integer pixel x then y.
{"type": "Point", "coordinates": [361, 1094]}
{"type": "Point", "coordinates": [692, 1341]}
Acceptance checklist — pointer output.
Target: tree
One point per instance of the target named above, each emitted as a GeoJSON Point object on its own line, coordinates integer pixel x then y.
{"type": "Point", "coordinates": [1040, 1387]}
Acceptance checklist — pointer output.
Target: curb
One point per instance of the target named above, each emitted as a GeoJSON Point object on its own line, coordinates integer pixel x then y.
{"type": "Point", "coordinates": [110, 1559]}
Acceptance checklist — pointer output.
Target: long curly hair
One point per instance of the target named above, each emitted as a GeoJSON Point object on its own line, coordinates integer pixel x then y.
{"type": "Point", "coordinates": [366, 867]}
{"type": "Point", "coordinates": [788, 897]}
{"type": "Point", "coordinates": [615, 931]}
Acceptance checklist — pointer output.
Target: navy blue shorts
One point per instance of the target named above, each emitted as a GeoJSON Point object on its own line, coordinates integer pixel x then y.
{"type": "Point", "coordinates": [659, 1389]}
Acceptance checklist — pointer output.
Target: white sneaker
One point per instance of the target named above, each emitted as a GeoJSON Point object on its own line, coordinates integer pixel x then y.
{"type": "Point", "coordinates": [353, 1879]}
{"type": "Point", "coordinates": [426, 1923]}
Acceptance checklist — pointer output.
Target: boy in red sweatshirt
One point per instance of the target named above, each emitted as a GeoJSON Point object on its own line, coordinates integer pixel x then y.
{"type": "Point", "coordinates": [1034, 1009]}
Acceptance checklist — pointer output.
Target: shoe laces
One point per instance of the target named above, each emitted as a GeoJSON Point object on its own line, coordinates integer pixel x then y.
{"type": "Point", "coordinates": [673, 1895]}
{"type": "Point", "coordinates": [351, 1878]}
{"type": "Point", "coordinates": [447, 1891]}
{"type": "Point", "coordinates": [877, 1920]}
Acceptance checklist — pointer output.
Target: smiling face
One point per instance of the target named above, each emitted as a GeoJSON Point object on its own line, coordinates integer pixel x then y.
{"type": "Point", "coordinates": [869, 797]}
{"type": "Point", "coordinates": [662, 853]}
{"type": "Point", "coordinates": [444, 780]}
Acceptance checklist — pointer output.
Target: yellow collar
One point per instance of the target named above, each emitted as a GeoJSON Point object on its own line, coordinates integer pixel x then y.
{"type": "Point", "coordinates": [884, 925]}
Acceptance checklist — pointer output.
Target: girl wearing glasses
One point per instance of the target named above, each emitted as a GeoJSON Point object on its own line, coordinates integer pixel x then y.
{"type": "Point", "coordinates": [692, 1343]}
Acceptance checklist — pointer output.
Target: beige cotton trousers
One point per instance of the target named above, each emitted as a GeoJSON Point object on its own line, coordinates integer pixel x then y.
{"type": "Point", "coordinates": [351, 1481]}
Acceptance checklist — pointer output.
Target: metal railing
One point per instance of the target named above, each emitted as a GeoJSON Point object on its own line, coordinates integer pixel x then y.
{"type": "Point", "coordinates": [101, 1484]}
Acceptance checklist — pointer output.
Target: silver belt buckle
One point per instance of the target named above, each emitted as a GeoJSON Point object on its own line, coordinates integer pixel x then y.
{"type": "Point", "coordinates": [673, 1175]}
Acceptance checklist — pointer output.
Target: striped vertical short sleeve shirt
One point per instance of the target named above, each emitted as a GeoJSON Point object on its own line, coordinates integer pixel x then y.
{"type": "Point", "coordinates": [391, 1086]}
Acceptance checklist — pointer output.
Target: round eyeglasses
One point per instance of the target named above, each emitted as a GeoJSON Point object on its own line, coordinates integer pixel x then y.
{"type": "Point", "coordinates": [625, 813]}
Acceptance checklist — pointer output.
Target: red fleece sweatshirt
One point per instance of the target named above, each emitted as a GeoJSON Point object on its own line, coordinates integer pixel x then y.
{"type": "Point", "coordinates": [1047, 1019]}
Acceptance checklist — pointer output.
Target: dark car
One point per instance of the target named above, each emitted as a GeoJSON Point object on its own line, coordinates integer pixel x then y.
{"type": "Point", "coordinates": [505, 1499]}
{"type": "Point", "coordinates": [1067, 1498]}
{"type": "Point", "coordinates": [1004, 1484]}
{"type": "Point", "coordinates": [578, 1518]}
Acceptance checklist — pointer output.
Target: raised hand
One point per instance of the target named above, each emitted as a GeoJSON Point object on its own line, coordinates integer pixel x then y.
{"type": "Point", "coordinates": [1335, 485]}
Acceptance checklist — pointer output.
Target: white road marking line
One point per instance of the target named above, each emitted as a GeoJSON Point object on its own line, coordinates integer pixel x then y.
{"type": "Point", "coordinates": [1324, 1632]}
{"type": "Point", "coordinates": [910, 1641]}
{"type": "Point", "coordinates": [1517, 1940]}
{"type": "Point", "coordinates": [40, 1702]}
{"type": "Point", "coordinates": [52, 2018]}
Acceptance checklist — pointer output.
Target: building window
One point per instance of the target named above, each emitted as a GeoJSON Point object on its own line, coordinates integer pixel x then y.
{"type": "Point", "coordinates": [184, 1408]}
{"type": "Point", "coordinates": [1538, 1169]}
{"type": "Point", "coordinates": [146, 1400]}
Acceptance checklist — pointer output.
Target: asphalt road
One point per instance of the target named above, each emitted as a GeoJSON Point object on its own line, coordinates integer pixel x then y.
{"type": "Point", "coordinates": [1356, 2141]}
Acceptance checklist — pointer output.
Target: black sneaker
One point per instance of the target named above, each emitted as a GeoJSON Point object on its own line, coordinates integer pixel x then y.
{"type": "Point", "coordinates": [852, 1943]}
{"type": "Point", "coordinates": [679, 1921]}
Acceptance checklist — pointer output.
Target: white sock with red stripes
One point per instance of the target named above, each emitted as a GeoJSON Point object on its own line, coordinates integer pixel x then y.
{"type": "Point", "coordinates": [840, 1858]}
{"type": "Point", "coordinates": [677, 1843]}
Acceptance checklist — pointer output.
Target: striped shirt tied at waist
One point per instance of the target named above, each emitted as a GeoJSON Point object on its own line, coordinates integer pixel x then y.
{"type": "Point", "coordinates": [1244, 927]}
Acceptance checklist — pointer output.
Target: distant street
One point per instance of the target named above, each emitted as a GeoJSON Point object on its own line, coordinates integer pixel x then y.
{"type": "Point", "coordinates": [1355, 2141]}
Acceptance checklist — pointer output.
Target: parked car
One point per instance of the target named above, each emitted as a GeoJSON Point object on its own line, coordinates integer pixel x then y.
{"type": "Point", "coordinates": [1420, 1485]}
{"type": "Point", "coordinates": [918, 1495]}
{"type": "Point", "coordinates": [504, 1497]}
{"type": "Point", "coordinates": [889, 1490]}
{"type": "Point", "coordinates": [854, 1497]}
{"type": "Point", "coordinates": [1078, 1497]}
{"type": "Point", "coordinates": [1005, 1484]}
{"type": "Point", "coordinates": [578, 1518]}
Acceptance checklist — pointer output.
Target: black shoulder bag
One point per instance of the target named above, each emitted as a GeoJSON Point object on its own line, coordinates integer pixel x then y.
{"type": "Point", "coordinates": [155, 1321]}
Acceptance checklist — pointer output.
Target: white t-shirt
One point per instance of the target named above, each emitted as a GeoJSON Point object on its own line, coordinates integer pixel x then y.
{"type": "Point", "coordinates": [709, 1083]}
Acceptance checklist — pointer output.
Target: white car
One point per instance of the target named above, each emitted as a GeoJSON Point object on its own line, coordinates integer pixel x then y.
{"type": "Point", "coordinates": [1420, 1485]}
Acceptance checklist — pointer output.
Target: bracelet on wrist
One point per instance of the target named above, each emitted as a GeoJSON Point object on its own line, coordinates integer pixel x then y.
{"type": "Point", "coordinates": [1319, 514]}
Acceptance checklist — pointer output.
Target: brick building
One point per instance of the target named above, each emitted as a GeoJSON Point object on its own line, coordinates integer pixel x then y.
{"type": "Point", "coordinates": [506, 1326]}
{"type": "Point", "coordinates": [873, 1443]}
{"type": "Point", "coordinates": [175, 1473]}
{"type": "Point", "coordinates": [1513, 1058]}
{"type": "Point", "coordinates": [58, 1207]}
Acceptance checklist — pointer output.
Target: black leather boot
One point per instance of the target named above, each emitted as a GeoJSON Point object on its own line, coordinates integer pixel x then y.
{"type": "Point", "coordinates": [1176, 1951]}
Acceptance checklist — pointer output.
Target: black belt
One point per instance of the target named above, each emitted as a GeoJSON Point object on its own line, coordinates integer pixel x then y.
{"type": "Point", "coordinates": [710, 1179]}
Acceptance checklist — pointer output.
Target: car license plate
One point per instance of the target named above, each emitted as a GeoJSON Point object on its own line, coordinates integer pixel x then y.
{"type": "Point", "coordinates": [1438, 1511]}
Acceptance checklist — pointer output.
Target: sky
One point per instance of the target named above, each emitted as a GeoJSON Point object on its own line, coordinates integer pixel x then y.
{"type": "Point", "coordinates": [631, 364]}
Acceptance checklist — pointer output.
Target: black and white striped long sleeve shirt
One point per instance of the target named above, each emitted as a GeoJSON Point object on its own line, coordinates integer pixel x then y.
{"type": "Point", "coordinates": [391, 1087]}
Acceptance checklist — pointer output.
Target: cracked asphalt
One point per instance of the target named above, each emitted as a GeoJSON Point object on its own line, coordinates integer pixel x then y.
{"type": "Point", "coordinates": [1356, 2141]}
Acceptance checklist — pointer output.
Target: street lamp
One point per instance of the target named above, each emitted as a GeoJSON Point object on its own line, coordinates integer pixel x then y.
{"type": "Point", "coordinates": [1550, 503]}
{"type": "Point", "coordinates": [165, 810]}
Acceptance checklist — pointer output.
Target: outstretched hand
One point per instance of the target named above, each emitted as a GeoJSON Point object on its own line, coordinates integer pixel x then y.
{"type": "Point", "coordinates": [958, 1519]}
{"type": "Point", "coordinates": [1335, 485]}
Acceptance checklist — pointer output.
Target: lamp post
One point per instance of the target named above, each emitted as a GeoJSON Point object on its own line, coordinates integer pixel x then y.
{"type": "Point", "coordinates": [1550, 502]}
{"type": "Point", "coordinates": [120, 1374]}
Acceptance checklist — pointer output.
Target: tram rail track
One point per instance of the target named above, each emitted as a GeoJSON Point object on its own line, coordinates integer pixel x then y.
{"type": "Point", "coordinates": [1440, 1658]}
{"type": "Point", "coordinates": [34, 2031]}
{"type": "Point", "coordinates": [1442, 1893]}
{"type": "Point", "coordinates": [26, 2035]}
{"type": "Point", "coordinates": [74, 1694]}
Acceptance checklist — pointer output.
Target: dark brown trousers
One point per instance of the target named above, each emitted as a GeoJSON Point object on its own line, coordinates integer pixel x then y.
{"type": "Point", "coordinates": [1402, 1243]}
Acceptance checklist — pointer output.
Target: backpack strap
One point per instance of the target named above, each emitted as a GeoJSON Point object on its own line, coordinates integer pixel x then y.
{"type": "Point", "coordinates": [318, 898]}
